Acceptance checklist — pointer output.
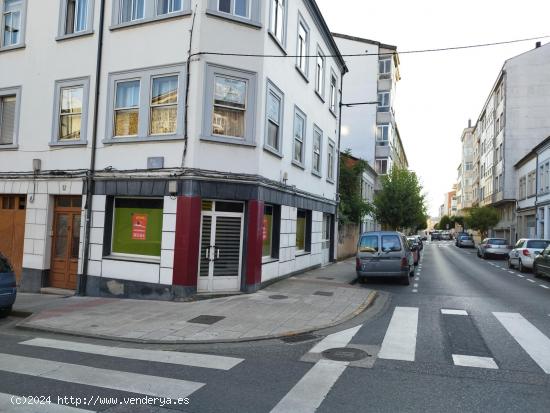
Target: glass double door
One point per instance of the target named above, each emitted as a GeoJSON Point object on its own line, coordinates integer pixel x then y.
{"type": "Point", "coordinates": [220, 252]}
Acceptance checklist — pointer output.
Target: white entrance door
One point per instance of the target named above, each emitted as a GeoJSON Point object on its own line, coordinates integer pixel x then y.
{"type": "Point", "coordinates": [221, 252]}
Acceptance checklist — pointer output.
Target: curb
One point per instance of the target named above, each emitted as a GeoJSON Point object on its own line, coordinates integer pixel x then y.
{"type": "Point", "coordinates": [363, 307]}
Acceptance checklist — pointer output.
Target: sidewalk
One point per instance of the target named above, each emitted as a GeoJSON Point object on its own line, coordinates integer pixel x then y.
{"type": "Point", "coordinates": [311, 301]}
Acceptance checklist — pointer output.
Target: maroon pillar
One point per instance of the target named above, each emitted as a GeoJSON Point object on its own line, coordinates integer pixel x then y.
{"type": "Point", "coordinates": [186, 249]}
{"type": "Point", "coordinates": [254, 245]}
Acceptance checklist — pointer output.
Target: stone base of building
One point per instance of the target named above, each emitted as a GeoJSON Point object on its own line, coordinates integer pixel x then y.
{"type": "Point", "coordinates": [33, 280]}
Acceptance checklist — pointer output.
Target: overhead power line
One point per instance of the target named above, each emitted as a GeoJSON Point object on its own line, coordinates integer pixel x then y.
{"type": "Point", "coordinates": [418, 51]}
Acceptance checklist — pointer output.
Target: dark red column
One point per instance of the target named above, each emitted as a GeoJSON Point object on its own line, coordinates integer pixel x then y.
{"type": "Point", "coordinates": [254, 245]}
{"type": "Point", "coordinates": [186, 249]}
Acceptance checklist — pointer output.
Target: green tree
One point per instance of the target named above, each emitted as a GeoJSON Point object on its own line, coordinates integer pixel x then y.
{"type": "Point", "coordinates": [445, 222]}
{"type": "Point", "coordinates": [482, 219]}
{"type": "Point", "coordinates": [352, 207]}
{"type": "Point", "coordinates": [400, 203]}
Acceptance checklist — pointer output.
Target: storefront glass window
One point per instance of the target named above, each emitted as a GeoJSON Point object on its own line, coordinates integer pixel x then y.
{"type": "Point", "coordinates": [267, 234]}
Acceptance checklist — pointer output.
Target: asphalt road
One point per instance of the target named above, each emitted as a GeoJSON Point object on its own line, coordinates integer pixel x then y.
{"type": "Point", "coordinates": [468, 335]}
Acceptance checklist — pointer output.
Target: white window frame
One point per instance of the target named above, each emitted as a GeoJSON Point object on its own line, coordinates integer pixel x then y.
{"type": "Point", "coordinates": [317, 134]}
{"type": "Point", "coordinates": [145, 76]}
{"type": "Point", "coordinates": [150, 14]}
{"type": "Point", "coordinates": [302, 58]}
{"type": "Point", "coordinates": [7, 92]}
{"type": "Point", "coordinates": [385, 61]}
{"type": "Point", "coordinates": [379, 162]}
{"type": "Point", "coordinates": [384, 101]}
{"type": "Point", "coordinates": [333, 98]}
{"type": "Point", "coordinates": [62, 30]}
{"type": "Point", "coordinates": [132, 18]}
{"type": "Point", "coordinates": [170, 3]}
{"type": "Point", "coordinates": [278, 33]}
{"type": "Point", "coordinates": [83, 83]}
{"type": "Point", "coordinates": [162, 105]}
{"type": "Point", "coordinates": [22, 27]}
{"type": "Point", "coordinates": [320, 73]}
{"type": "Point", "coordinates": [232, 12]}
{"type": "Point", "coordinates": [380, 141]}
{"type": "Point", "coordinates": [212, 71]}
{"type": "Point", "coordinates": [298, 113]}
{"type": "Point", "coordinates": [331, 161]}
{"type": "Point", "coordinates": [272, 89]}
{"type": "Point", "coordinates": [253, 18]}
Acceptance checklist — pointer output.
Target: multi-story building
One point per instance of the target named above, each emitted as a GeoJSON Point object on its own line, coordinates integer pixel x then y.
{"type": "Point", "coordinates": [139, 159]}
{"type": "Point", "coordinates": [514, 119]}
{"type": "Point", "coordinates": [466, 171]}
{"type": "Point", "coordinates": [369, 127]}
{"type": "Point", "coordinates": [526, 194]}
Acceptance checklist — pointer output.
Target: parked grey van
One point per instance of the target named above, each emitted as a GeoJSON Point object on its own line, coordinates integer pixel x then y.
{"type": "Point", "coordinates": [384, 254]}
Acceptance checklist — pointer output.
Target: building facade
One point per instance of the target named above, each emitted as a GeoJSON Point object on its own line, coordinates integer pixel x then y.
{"type": "Point", "coordinates": [178, 169]}
{"type": "Point", "coordinates": [526, 212]}
{"type": "Point", "coordinates": [369, 127]}
{"type": "Point", "coordinates": [466, 172]}
{"type": "Point", "coordinates": [514, 119]}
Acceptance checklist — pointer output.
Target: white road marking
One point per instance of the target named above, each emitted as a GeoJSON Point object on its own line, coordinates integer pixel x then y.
{"type": "Point", "coordinates": [511, 272]}
{"type": "Point", "coordinates": [417, 278]}
{"type": "Point", "coordinates": [414, 291]}
{"type": "Point", "coordinates": [531, 281]}
{"type": "Point", "coordinates": [171, 357]}
{"type": "Point", "coordinates": [339, 339]}
{"type": "Point", "coordinates": [415, 285]}
{"type": "Point", "coordinates": [400, 339]}
{"type": "Point", "coordinates": [308, 394]}
{"type": "Point", "coordinates": [536, 344]}
{"type": "Point", "coordinates": [453, 312]}
{"type": "Point", "coordinates": [544, 286]}
{"type": "Point", "coordinates": [474, 361]}
{"type": "Point", "coordinates": [7, 406]}
{"type": "Point", "coordinates": [520, 276]}
{"type": "Point", "coordinates": [91, 376]}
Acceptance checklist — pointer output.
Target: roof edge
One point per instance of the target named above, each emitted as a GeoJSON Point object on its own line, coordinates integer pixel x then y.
{"type": "Point", "coordinates": [363, 40]}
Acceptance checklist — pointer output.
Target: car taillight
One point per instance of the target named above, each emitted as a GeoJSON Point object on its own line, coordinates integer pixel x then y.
{"type": "Point", "coordinates": [357, 263]}
{"type": "Point", "coordinates": [526, 253]}
{"type": "Point", "coordinates": [404, 262]}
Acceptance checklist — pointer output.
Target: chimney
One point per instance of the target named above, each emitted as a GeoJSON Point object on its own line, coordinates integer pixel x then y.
{"type": "Point", "coordinates": [537, 45]}
{"type": "Point", "coordinates": [469, 123]}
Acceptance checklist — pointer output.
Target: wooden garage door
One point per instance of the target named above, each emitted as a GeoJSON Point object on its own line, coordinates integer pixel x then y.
{"type": "Point", "coordinates": [12, 229]}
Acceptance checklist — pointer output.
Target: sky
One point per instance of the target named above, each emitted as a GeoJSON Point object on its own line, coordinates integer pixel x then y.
{"type": "Point", "coordinates": [439, 92]}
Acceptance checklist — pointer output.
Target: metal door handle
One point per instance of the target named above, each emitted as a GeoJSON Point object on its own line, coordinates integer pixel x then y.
{"type": "Point", "coordinates": [218, 254]}
{"type": "Point", "coordinates": [207, 253]}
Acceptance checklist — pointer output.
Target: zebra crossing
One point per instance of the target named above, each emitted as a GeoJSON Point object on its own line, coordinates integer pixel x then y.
{"type": "Point", "coordinates": [106, 379]}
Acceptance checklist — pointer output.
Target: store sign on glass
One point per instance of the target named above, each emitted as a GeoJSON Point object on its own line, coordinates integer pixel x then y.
{"type": "Point", "coordinates": [139, 227]}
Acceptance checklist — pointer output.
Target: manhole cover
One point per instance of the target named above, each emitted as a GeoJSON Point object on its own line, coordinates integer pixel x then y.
{"type": "Point", "coordinates": [323, 293]}
{"type": "Point", "coordinates": [206, 319]}
{"type": "Point", "coordinates": [278, 297]}
{"type": "Point", "coordinates": [298, 338]}
{"type": "Point", "coordinates": [345, 354]}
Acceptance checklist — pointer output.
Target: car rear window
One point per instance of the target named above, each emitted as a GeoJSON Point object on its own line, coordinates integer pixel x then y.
{"type": "Point", "coordinates": [391, 242]}
{"type": "Point", "coordinates": [368, 243]}
{"type": "Point", "coordinates": [538, 244]}
{"type": "Point", "coordinates": [497, 241]}
{"type": "Point", "coordinates": [4, 265]}
{"type": "Point", "coordinates": [464, 237]}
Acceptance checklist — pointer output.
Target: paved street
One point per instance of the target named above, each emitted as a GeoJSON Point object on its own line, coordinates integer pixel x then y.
{"type": "Point", "coordinates": [467, 336]}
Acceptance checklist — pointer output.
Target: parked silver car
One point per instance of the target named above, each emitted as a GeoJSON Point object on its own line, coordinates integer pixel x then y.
{"type": "Point", "coordinates": [497, 247]}
{"type": "Point", "coordinates": [384, 254]}
{"type": "Point", "coordinates": [465, 241]}
{"type": "Point", "coordinates": [524, 253]}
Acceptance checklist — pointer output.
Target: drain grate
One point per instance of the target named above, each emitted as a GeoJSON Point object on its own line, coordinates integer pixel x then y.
{"type": "Point", "coordinates": [345, 354]}
{"type": "Point", "coordinates": [206, 319]}
{"type": "Point", "coordinates": [278, 297]}
{"type": "Point", "coordinates": [323, 293]}
{"type": "Point", "coordinates": [299, 338]}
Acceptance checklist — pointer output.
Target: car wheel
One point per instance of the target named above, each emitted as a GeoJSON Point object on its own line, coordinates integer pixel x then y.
{"type": "Point", "coordinates": [484, 256]}
{"type": "Point", "coordinates": [521, 268]}
{"type": "Point", "coordinates": [509, 262]}
{"type": "Point", "coordinates": [535, 271]}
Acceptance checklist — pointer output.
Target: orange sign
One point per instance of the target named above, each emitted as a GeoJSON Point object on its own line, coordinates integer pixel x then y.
{"type": "Point", "coordinates": [265, 229]}
{"type": "Point", "coordinates": [139, 227]}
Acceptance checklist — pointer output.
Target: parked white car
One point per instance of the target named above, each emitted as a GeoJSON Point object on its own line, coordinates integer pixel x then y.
{"type": "Point", "coordinates": [524, 253]}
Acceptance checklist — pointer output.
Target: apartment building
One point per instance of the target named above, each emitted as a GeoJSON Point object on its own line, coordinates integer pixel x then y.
{"type": "Point", "coordinates": [513, 120]}
{"type": "Point", "coordinates": [133, 164]}
{"type": "Point", "coordinates": [466, 171]}
{"type": "Point", "coordinates": [369, 126]}
{"type": "Point", "coordinates": [526, 212]}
